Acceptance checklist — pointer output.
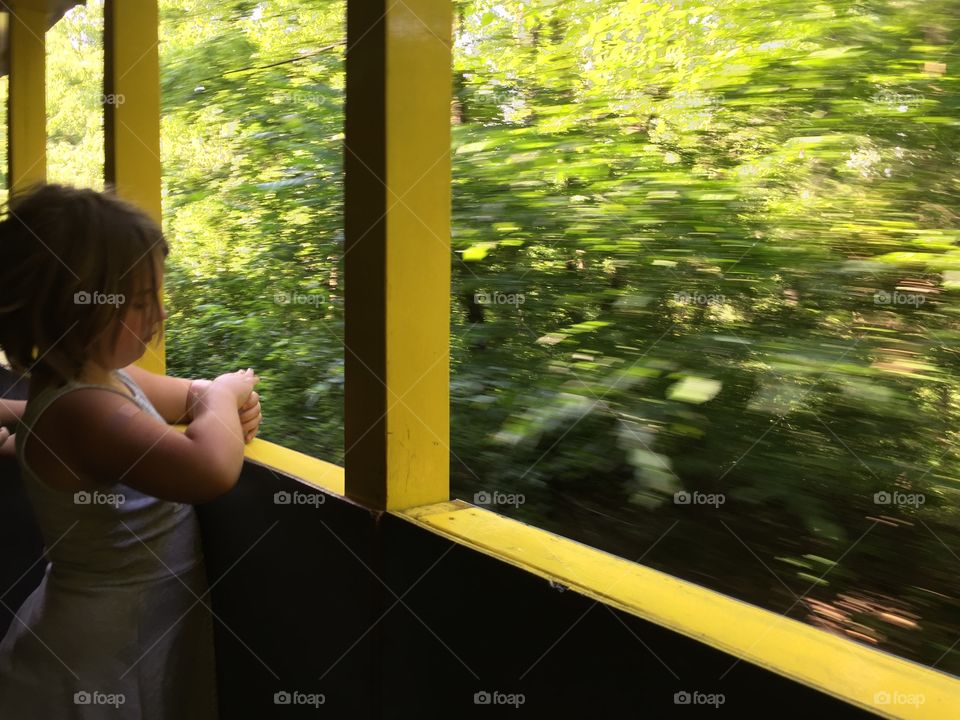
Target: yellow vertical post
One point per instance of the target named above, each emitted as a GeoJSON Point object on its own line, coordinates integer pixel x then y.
{"type": "Point", "coordinates": [27, 106]}
{"type": "Point", "coordinates": [397, 254]}
{"type": "Point", "coordinates": [131, 103]}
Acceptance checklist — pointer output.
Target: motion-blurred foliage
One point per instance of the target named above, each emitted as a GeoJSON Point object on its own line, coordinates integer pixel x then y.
{"type": "Point", "coordinates": [697, 248]}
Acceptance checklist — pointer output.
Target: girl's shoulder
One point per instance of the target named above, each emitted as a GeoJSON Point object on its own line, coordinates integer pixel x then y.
{"type": "Point", "coordinates": [62, 423]}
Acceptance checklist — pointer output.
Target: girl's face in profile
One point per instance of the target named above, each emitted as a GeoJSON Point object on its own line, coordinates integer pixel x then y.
{"type": "Point", "coordinates": [135, 330]}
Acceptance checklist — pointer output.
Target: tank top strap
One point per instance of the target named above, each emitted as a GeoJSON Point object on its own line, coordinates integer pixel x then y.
{"type": "Point", "coordinates": [138, 395]}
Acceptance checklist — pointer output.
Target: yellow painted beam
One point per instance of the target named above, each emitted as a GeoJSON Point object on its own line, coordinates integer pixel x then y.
{"type": "Point", "coordinates": [132, 116]}
{"type": "Point", "coordinates": [397, 261]}
{"type": "Point", "coordinates": [318, 473]}
{"type": "Point", "coordinates": [842, 668]}
{"type": "Point", "coordinates": [27, 107]}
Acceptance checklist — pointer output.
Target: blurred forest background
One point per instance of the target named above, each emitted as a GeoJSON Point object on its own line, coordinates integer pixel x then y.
{"type": "Point", "coordinates": [706, 273]}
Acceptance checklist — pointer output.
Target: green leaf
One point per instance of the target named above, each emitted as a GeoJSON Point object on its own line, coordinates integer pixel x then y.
{"type": "Point", "coordinates": [694, 390]}
{"type": "Point", "coordinates": [478, 252]}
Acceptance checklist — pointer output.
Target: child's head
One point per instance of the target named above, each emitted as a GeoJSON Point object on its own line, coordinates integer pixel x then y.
{"type": "Point", "coordinates": [79, 281]}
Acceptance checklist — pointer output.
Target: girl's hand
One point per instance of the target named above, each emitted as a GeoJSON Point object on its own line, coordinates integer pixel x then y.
{"type": "Point", "coordinates": [7, 443]}
{"type": "Point", "coordinates": [250, 411]}
{"type": "Point", "coordinates": [239, 383]}
{"type": "Point", "coordinates": [250, 417]}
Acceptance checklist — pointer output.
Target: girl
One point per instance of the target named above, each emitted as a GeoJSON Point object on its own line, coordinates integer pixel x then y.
{"type": "Point", "coordinates": [119, 626]}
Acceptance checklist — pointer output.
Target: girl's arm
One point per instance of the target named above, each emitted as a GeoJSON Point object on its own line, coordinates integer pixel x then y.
{"type": "Point", "coordinates": [167, 394]}
{"type": "Point", "coordinates": [98, 434]}
{"type": "Point", "coordinates": [176, 399]}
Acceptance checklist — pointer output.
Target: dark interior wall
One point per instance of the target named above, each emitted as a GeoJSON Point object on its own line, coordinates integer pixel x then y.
{"type": "Point", "coordinates": [290, 599]}
{"type": "Point", "coordinates": [386, 620]}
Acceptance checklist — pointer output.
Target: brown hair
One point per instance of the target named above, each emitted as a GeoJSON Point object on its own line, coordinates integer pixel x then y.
{"type": "Point", "coordinates": [63, 251]}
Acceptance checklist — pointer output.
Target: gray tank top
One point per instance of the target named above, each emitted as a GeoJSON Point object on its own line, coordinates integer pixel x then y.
{"type": "Point", "coordinates": [115, 534]}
